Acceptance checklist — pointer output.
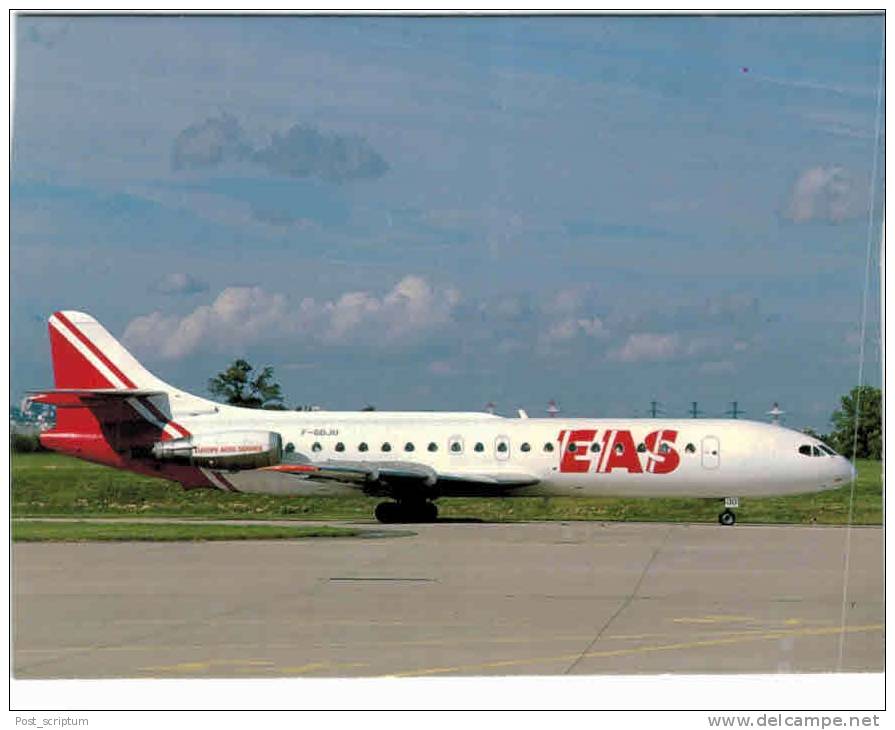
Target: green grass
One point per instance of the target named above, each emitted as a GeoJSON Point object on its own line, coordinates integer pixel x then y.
{"type": "Point", "coordinates": [35, 531]}
{"type": "Point", "coordinates": [53, 485]}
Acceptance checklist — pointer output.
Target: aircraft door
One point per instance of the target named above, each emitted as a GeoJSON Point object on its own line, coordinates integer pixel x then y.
{"type": "Point", "coordinates": [711, 452]}
{"type": "Point", "coordinates": [502, 448]}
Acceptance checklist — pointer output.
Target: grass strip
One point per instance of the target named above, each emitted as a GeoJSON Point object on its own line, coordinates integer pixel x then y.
{"type": "Point", "coordinates": [46, 485]}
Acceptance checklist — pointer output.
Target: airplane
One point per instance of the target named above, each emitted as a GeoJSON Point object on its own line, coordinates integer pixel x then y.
{"type": "Point", "coordinates": [112, 411]}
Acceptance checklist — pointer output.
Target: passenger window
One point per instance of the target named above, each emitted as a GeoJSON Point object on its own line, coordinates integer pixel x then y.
{"type": "Point", "coordinates": [290, 447]}
{"type": "Point", "coordinates": [525, 447]}
{"type": "Point", "coordinates": [690, 449]}
{"type": "Point", "coordinates": [340, 446]}
{"type": "Point", "coordinates": [572, 447]}
{"type": "Point", "coordinates": [386, 446]}
{"type": "Point", "coordinates": [479, 447]}
{"type": "Point", "coordinates": [362, 446]}
{"type": "Point", "coordinates": [805, 450]}
{"type": "Point", "coordinates": [408, 446]}
{"type": "Point", "coordinates": [433, 446]}
{"type": "Point", "coordinates": [641, 447]}
{"type": "Point", "coordinates": [456, 447]}
{"type": "Point", "coordinates": [548, 447]}
{"type": "Point", "coordinates": [664, 449]}
{"type": "Point", "coordinates": [619, 448]}
{"type": "Point", "coordinates": [316, 446]}
{"type": "Point", "coordinates": [502, 447]}
{"type": "Point", "coordinates": [595, 447]}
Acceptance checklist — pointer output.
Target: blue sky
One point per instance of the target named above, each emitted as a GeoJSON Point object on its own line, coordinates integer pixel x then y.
{"type": "Point", "coordinates": [435, 213]}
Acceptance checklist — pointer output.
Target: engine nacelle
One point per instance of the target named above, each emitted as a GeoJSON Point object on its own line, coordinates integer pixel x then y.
{"type": "Point", "coordinates": [223, 450]}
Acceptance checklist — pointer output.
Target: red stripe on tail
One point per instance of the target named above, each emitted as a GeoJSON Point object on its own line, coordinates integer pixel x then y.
{"type": "Point", "coordinates": [128, 383]}
{"type": "Point", "coordinates": [70, 368]}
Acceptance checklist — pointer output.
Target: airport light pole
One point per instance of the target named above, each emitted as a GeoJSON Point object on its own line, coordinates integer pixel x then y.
{"type": "Point", "coordinates": [735, 411]}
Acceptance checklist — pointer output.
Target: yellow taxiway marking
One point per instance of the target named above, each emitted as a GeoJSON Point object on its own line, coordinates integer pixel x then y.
{"type": "Point", "coordinates": [314, 666]}
{"type": "Point", "coordinates": [249, 665]}
{"type": "Point", "coordinates": [767, 636]}
{"type": "Point", "coordinates": [713, 619]}
{"type": "Point", "coordinates": [448, 641]}
{"type": "Point", "coordinates": [206, 665]}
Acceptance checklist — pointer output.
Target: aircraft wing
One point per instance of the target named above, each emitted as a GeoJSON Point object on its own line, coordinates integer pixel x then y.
{"type": "Point", "coordinates": [383, 476]}
{"type": "Point", "coordinates": [353, 471]}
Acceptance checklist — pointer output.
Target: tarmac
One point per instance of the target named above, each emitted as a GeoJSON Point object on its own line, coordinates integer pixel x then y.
{"type": "Point", "coordinates": [453, 599]}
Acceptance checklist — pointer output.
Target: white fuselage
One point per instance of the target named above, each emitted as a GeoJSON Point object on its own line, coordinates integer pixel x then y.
{"type": "Point", "coordinates": [692, 457]}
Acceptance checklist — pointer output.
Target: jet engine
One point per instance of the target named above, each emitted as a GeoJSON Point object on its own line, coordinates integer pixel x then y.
{"type": "Point", "coordinates": [223, 450]}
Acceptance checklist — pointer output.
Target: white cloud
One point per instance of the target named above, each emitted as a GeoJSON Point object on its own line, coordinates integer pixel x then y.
{"type": "Point", "coordinates": [718, 367]}
{"type": "Point", "coordinates": [823, 193]}
{"type": "Point", "coordinates": [179, 283]}
{"type": "Point", "coordinates": [441, 367]}
{"type": "Point", "coordinates": [647, 346]}
{"type": "Point", "coordinates": [571, 328]}
{"type": "Point", "coordinates": [242, 316]}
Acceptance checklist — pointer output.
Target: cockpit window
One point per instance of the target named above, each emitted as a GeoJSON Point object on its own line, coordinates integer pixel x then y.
{"type": "Point", "coordinates": [816, 450]}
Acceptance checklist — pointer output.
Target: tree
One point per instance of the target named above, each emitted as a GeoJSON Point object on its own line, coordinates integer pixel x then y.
{"type": "Point", "coordinates": [241, 385]}
{"type": "Point", "coordinates": [869, 423]}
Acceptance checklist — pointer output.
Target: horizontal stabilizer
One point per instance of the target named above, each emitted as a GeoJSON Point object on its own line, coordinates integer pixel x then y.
{"type": "Point", "coordinates": [79, 397]}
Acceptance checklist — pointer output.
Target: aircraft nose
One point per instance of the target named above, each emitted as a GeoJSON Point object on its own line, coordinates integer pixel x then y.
{"type": "Point", "coordinates": [845, 470]}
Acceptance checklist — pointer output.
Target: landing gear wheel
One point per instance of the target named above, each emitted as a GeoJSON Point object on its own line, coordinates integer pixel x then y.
{"type": "Point", "coordinates": [727, 518]}
{"type": "Point", "coordinates": [389, 512]}
{"type": "Point", "coordinates": [417, 511]}
{"type": "Point", "coordinates": [392, 512]}
{"type": "Point", "coordinates": [429, 512]}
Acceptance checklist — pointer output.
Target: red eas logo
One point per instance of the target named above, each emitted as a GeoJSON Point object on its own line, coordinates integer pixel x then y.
{"type": "Point", "coordinates": [586, 450]}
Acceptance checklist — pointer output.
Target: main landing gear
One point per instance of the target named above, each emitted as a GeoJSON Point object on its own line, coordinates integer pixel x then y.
{"type": "Point", "coordinates": [392, 512]}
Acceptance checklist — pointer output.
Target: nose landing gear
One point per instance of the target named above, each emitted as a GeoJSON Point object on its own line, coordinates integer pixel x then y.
{"type": "Point", "coordinates": [727, 517]}
{"type": "Point", "coordinates": [394, 512]}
